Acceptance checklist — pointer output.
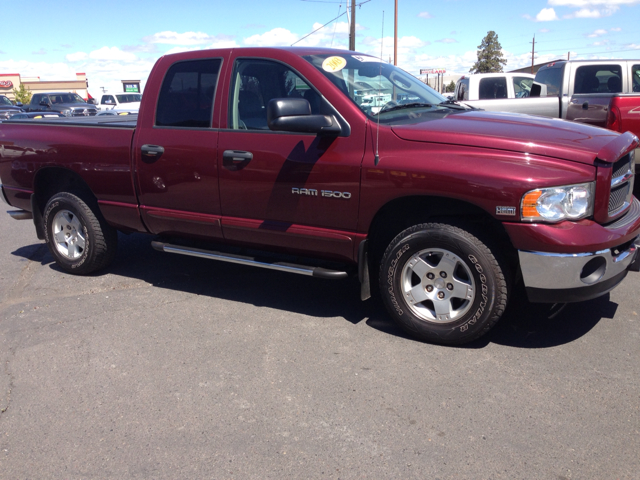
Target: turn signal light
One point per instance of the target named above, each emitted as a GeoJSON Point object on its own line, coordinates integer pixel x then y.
{"type": "Point", "coordinates": [529, 204]}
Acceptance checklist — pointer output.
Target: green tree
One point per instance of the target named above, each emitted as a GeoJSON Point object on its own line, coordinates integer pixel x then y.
{"type": "Point", "coordinates": [451, 87]}
{"type": "Point", "coordinates": [490, 58]}
{"type": "Point", "coordinates": [22, 94]}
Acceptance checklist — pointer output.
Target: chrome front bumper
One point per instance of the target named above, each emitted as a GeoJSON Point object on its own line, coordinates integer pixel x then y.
{"type": "Point", "coordinates": [562, 278]}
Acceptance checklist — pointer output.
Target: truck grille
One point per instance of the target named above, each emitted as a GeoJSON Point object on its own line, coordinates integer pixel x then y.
{"type": "Point", "coordinates": [84, 112]}
{"type": "Point", "coordinates": [621, 185]}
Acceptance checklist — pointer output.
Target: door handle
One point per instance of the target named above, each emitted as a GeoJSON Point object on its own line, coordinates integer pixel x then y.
{"type": "Point", "coordinates": [151, 153]}
{"type": "Point", "coordinates": [236, 159]}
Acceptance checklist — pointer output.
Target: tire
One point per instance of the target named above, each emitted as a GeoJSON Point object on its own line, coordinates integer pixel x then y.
{"type": "Point", "coordinates": [442, 284]}
{"type": "Point", "coordinates": [79, 238]}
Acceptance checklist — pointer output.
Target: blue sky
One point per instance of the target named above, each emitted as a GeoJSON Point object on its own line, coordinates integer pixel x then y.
{"type": "Point", "coordinates": [115, 40]}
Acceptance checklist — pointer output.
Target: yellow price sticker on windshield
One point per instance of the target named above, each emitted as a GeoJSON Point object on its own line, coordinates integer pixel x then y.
{"type": "Point", "coordinates": [334, 64]}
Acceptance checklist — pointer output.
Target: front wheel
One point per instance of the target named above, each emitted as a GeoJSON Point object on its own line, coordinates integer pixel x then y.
{"type": "Point", "coordinates": [442, 284]}
{"type": "Point", "coordinates": [79, 239]}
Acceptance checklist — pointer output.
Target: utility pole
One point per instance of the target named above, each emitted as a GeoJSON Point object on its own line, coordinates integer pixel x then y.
{"type": "Point", "coordinates": [395, 36]}
{"type": "Point", "coordinates": [352, 27]}
{"type": "Point", "coordinates": [533, 49]}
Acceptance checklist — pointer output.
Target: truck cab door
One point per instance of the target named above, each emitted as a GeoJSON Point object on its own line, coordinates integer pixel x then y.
{"type": "Point", "coordinates": [298, 192]}
{"type": "Point", "coordinates": [175, 151]}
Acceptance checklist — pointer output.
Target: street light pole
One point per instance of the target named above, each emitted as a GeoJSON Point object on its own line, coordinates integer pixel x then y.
{"type": "Point", "coordinates": [352, 27]}
{"type": "Point", "coordinates": [395, 36]}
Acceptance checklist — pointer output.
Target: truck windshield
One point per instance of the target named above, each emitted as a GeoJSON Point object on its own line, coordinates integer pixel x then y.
{"type": "Point", "coordinates": [5, 101]}
{"type": "Point", "coordinates": [66, 98]}
{"type": "Point", "coordinates": [129, 98]}
{"type": "Point", "coordinates": [379, 89]}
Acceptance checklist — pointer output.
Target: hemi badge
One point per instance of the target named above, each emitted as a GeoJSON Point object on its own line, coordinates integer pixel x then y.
{"type": "Point", "coordinates": [506, 211]}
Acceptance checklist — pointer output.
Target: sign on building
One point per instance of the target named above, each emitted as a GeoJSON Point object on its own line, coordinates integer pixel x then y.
{"type": "Point", "coordinates": [429, 71]}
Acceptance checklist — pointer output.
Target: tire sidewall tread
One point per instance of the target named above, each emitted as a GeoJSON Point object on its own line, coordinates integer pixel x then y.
{"type": "Point", "coordinates": [487, 268]}
{"type": "Point", "coordinates": [100, 237]}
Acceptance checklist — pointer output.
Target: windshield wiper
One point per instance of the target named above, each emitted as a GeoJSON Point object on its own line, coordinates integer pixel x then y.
{"type": "Point", "coordinates": [457, 105]}
{"type": "Point", "coordinates": [404, 105]}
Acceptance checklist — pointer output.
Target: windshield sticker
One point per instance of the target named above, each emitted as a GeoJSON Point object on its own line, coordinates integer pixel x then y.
{"type": "Point", "coordinates": [334, 64]}
{"type": "Point", "coordinates": [363, 59]}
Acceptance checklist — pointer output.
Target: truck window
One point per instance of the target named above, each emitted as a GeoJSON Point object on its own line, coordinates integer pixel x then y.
{"type": "Point", "coordinates": [108, 100]}
{"type": "Point", "coordinates": [186, 95]}
{"type": "Point", "coordinates": [492, 87]}
{"type": "Point", "coordinates": [462, 91]}
{"type": "Point", "coordinates": [598, 79]}
{"type": "Point", "coordinates": [522, 86]}
{"type": "Point", "coordinates": [552, 78]}
{"type": "Point", "coordinates": [635, 78]}
{"type": "Point", "coordinates": [255, 83]}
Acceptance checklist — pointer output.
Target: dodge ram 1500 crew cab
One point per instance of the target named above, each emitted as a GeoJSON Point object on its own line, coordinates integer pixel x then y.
{"type": "Point", "coordinates": [439, 208]}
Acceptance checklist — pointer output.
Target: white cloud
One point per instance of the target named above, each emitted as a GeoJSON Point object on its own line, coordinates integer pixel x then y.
{"type": "Point", "coordinates": [586, 13]}
{"type": "Point", "coordinates": [175, 38]}
{"type": "Point", "coordinates": [616, 29]}
{"type": "Point", "coordinates": [275, 37]}
{"type": "Point", "coordinates": [598, 33]}
{"type": "Point", "coordinates": [592, 3]}
{"type": "Point", "coordinates": [76, 57]}
{"type": "Point", "coordinates": [425, 15]}
{"type": "Point", "coordinates": [112, 53]}
{"type": "Point", "coordinates": [546, 15]}
{"type": "Point", "coordinates": [447, 40]}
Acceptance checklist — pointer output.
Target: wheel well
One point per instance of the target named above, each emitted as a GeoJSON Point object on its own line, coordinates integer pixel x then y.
{"type": "Point", "coordinates": [402, 213]}
{"type": "Point", "coordinates": [51, 180]}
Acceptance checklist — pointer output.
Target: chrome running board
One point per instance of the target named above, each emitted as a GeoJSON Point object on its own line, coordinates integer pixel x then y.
{"type": "Point", "coordinates": [310, 271]}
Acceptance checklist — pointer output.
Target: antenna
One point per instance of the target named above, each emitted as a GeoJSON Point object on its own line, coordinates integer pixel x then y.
{"type": "Point", "coordinates": [376, 159]}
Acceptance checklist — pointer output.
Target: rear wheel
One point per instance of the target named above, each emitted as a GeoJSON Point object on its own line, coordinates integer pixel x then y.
{"type": "Point", "coordinates": [79, 239]}
{"type": "Point", "coordinates": [442, 284]}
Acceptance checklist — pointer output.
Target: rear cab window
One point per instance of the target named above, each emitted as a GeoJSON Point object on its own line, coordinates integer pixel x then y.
{"type": "Point", "coordinates": [635, 78]}
{"type": "Point", "coordinates": [492, 87]}
{"type": "Point", "coordinates": [598, 79]}
{"type": "Point", "coordinates": [187, 93]}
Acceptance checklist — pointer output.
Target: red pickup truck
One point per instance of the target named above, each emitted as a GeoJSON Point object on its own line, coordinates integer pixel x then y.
{"type": "Point", "coordinates": [331, 163]}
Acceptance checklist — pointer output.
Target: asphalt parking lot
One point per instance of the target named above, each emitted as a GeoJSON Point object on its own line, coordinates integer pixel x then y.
{"type": "Point", "coordinates": [175, 367]}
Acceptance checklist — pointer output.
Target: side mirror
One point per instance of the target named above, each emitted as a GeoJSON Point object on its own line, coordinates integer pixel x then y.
{"type": "Point", "coordinates": [44, 103]}
{"type": "Point", "coordinates": [294, 115]}
{"type": "Point", "coordinates": [19, 104]}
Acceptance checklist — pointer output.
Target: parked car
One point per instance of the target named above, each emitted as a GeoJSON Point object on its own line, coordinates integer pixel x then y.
{"type": "Point", "coordinates": [268, 157]}
{"type": "Point", "coordinates": [117, 112]}
{"type": "Point", "coordinates": [491, 86]}
{"type": "Point", "coordinates": [604, 93]}
{"type": "Point", "coordinates": [7, 108]}
{"type": "Point", "coordinates": [67, 103]}
{"type": "Point", "coordinates": [23, 115]}
{"type": "Point", "coordinates": [123, 101]}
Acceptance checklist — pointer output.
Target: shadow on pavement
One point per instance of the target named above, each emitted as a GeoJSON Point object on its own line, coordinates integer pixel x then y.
{"type": "Point", "coordinates": [524, 325]}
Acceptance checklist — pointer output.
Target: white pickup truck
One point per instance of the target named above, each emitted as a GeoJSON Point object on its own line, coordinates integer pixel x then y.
{"type": "Point", "coordinates": [492, 86]}
{"type": "Point", "coordinates": [120, 101]}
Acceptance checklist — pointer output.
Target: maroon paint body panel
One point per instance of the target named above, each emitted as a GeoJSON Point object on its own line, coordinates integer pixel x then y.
{"type": "Point", "coordinates": [315, 194]}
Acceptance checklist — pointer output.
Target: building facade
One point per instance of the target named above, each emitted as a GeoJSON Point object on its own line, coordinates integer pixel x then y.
{"type": "Point", "coordinates": [9, 81]}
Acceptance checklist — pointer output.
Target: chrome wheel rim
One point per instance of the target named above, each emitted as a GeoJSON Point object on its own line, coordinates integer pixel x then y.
{"type": "Point", "coordinates": [68, 235]}
{"type": "Point", "coordinates": [438, 286]}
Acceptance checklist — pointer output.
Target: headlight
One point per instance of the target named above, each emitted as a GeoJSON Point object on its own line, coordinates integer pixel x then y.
{"type": "Point", "coordinates": [555, 204]}
{"type": "Point", "coordinates": [67, 113]}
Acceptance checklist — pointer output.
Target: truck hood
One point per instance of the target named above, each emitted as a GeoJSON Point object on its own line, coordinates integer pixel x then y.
{"type": "Point", "coordinates": [522, 133]}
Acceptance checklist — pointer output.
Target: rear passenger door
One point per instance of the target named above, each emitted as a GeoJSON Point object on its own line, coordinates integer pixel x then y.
{"type": "Point", "coordinates": [175, 153]}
